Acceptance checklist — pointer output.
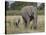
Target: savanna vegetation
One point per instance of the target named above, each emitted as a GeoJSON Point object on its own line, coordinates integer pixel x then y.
{"type": "Point", "coordinates": [14, 10]}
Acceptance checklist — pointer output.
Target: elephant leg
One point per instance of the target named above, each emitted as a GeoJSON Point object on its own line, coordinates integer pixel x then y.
{"type": "Point", "coordinates": [35, 18]}
{"type": "Point", "coordinates": [26, 20]}
{"type": "Point", "coordinates": [27, 23]}
{"type": "Point", "coordinates": [35, 23]}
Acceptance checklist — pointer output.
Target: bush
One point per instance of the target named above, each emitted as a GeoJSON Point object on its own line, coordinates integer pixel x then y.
{"type": "Point", "coordinates": [17, 12]}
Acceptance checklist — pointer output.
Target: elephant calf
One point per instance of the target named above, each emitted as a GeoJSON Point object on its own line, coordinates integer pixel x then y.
{"type": "Point", "coordinates": [29, 13]}
{"type": "Point", "coordinates": [16, 21]}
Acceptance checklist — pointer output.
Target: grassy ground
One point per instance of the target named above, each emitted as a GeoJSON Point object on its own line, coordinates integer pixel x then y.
{"type": "Point", "coordinates": [11, 27]}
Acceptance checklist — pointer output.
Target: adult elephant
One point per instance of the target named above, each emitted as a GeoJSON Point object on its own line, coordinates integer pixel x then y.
{"type": "Point", "coordinates": [29, 13]}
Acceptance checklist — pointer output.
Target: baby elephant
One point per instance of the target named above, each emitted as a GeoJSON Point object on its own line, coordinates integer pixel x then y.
{"type": "Point", "coordinates": [16, 21]}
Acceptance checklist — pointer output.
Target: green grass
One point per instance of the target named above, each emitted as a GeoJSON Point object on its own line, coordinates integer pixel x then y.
{"type": "Point", "coordinates": [12, 12]}
{"type": "Point", "coordinates": [17, 12]}
{"type": "Point", "coordinates": [40, 12]}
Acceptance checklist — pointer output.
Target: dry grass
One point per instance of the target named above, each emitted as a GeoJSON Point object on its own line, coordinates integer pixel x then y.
{"type": "Point", "coordinates": [11, 27]}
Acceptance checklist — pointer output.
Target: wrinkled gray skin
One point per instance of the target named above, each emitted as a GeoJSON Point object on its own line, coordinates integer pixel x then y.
{"type": "Point", "coordinates": [29, 13]}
